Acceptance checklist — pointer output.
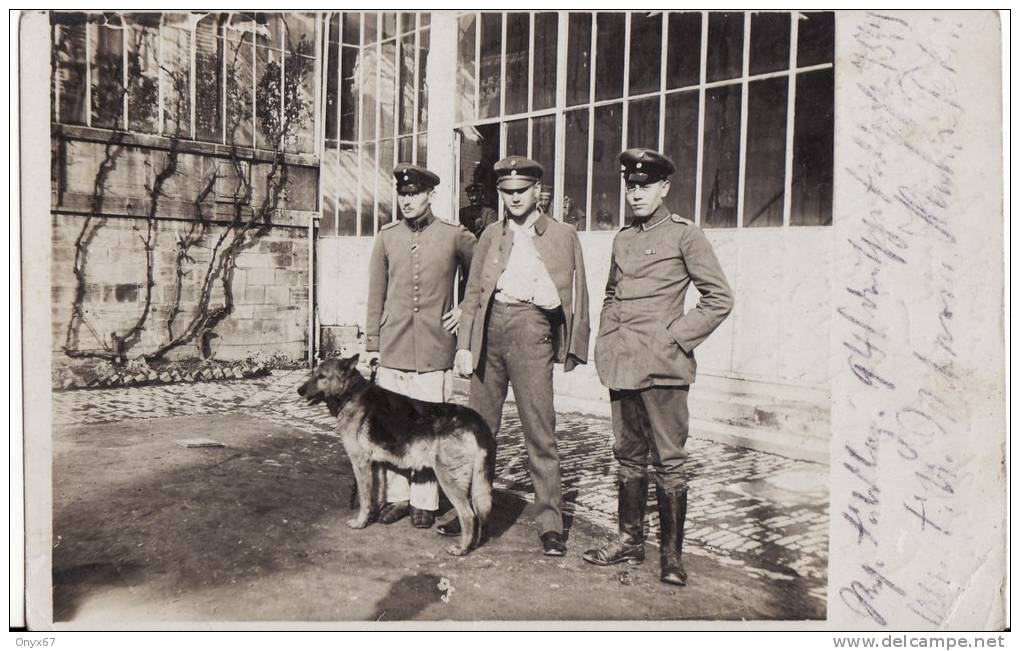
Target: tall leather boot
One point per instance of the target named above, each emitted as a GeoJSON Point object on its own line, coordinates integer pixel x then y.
{"type": "Point", "coordinates": [629, 545]}
{"type": "Point", "coordinates": [672, 516]}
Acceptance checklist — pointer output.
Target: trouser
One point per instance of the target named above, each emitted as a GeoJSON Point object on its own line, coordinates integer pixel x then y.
{"type": "Point", "coordinates": [650, 427]}
{"type": "Point", "coordinates": [420, 488]}
{"type": "Point", "coordinates": [519, 351]}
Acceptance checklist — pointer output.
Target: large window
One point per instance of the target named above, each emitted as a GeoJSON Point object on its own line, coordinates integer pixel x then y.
{"type": "Point", "coordinates": [375, 112]}
{"type": "Point", "coordinates": [221, 77]}
{"type": "Point", "coordinates": [741, 101]}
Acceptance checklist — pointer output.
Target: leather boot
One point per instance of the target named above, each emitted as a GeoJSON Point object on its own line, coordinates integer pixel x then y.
{"type": "Point", "coordinates": [672, 516]}
{"type": "Point", "coordinates": [629, 545]}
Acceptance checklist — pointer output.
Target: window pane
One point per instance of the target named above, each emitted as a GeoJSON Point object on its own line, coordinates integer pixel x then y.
{"type": "Point", "coordinates": [368, 84]}
{"type": "Point", "coordinates": [609, 59]}
{"type": "Point", "coordinates": [423, 149]}
{"type": "Point", "coordinates": [770, 42]}
{"type": "Point", "coordinates": [766, 152]}
{"type": "Point", "coordinates": [387, 90]}
{"type": "Point", "coordinates": [579, 59]}
{"type": "Point", "coordinates": [605, 200]}
{"type": "Point", "coordinates": [725, 45]}
{"type": "Point", "coordinates": [423, 87]}
{"type": "Point", "coordinates": [239, 85]}
{"type": "Point", "coordinates": [143, 77]}
{"type": "Point", "coordinates": [721, 159]}
{"type": "Point", "coordinates": [368, 189]}
{"type": "Point", "coordinates": [575, 168]}
{"type": "Point", "coordinates": [346, 206]}
{"type": "Point", "coordinates": [208, 80]}
{"type": "Point", "coordinates": [406, 84]}
{"type": "Point", "coordinates": [327, 225]}
{"type": "Point", "coordinates": [543, 150]}
{"type": "Point", "coordinates": [683, 65]}
{"type": "Point", "coordinates": [812, 150]}
{"type": "Point", "coordinates": [406, 22]}
{"type": "Point", "coordinates": [70, 63]}
{"type": "Point", "coordinates": [681, 145]}
{"type": "Point", "coordinates": [386, 187]}
{"type": "Point", "coordinates": [329, 178]}
{"type": "Point", "coordinates": [643, 123]}
{"type": "Point", "coordinates": [645, 52]}
{"type": "Point", "coordinates": [815, 38]}
{"type": "Point", "coordinates": [352, 29]}
{"type": "Point", "coordinates": [175, 64]}
{"type": "Point", "coordinates": [466, 82]}
{"type": "Point", "coordinates": [489, 71]}
{"type": "Point", "coordinates": [369, 25]}
{"type": "Point", "coordinates": [268, 100]}
{"type": "Point", "coordinates": [332, 77]}
{"type": "Point", "coordinates": [544, 83]}
{"type": "Point", "coordinates": [108, 76]}
{"type": "Point", "coordinates": [518, 43]}
{"type": "Point", "coordinates": [479, 151]}
{"type": "Point", "coordinates": [299, 105]}
{"type": "Point", "coordinates": [405, 150]}
{"type": "Point", "coordinates": [389, 24]}
{"type": "Point", "coordinates": [348, 93]}
{"type": "Point", "coordinates": [517, 138]}
{"type": "Point", "coordinates": [299, 29]}
{"type": "Point", "coordinates": [426, 18]}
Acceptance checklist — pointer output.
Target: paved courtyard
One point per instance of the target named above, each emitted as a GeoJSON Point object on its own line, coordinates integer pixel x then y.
{"type": "Point", "coordinates": [759, 514]}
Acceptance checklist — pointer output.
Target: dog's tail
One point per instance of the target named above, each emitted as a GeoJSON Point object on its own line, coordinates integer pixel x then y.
{"type": "Point", "coordinates": [481, 486]}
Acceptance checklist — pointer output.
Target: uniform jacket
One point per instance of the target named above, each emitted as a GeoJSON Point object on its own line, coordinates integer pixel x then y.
{"type": "Point", "coordinates": [561, 252]}
{"type": "Point", "coordinates": [644, 338]}
{"type": "Point", "coordinates": [411, 275]}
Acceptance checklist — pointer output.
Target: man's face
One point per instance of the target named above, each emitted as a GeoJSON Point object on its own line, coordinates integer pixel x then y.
{"type": "Point", "coordinates": [645, 198]}
{"type": "Point", "coordinates": [413, 206]}
{"type": "Point", "coordinates": [520, 203]}
{"type": "Point", "coordinates": [475, 197]}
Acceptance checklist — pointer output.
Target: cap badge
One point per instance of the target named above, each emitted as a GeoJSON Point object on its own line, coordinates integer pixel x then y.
{"type": "Point", "coordinates": [623, 168]}
{"type": "Point", "coordinates": [638, 165]}
{"type": "Point", "coordinates": [513, 163]}
{"type": "Point", "coordinates": [513, 172]}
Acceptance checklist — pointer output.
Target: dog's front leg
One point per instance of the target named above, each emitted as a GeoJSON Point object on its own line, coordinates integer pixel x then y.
{"type": "Point", "coordinates": [361, 463]}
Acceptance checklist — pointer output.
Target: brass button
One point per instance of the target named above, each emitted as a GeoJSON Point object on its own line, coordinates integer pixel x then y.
{"type": "Point", "coordinates": [416, 308]}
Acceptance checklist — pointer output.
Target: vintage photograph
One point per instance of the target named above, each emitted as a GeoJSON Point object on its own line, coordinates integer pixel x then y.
{"type": "Point", "coordinates": [456, 316]}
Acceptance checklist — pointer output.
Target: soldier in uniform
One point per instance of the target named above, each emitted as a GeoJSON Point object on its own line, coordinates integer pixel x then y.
{"type": "Point", "coordinates": [412, 321]}
{"type": "Point", "coordinates": [644, 354]}
{"type": "Point", "coordinates": [525, 307]}
{"type": "Point", "coordinates": [476, 216]}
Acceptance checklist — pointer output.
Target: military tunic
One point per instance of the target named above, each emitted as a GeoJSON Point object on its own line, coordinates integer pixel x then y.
{"type": "Point", "coordinates": [411, 276]}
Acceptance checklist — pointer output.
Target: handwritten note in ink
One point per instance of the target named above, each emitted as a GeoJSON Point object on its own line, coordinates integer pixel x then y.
{"type": "Point", "coordinates": [919, 486]}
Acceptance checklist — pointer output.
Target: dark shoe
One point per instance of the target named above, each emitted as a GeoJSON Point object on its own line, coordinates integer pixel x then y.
{"type": "Point", "coordinates": [451, 528]}
{"type": "Point", "coordinates": [617, 550]}
{"type": "Point", "coordinates": [552, 543]}
{"type": "Point", "coordinates": [628, 546]}
{"type": "Point", "coordinates": [394, 512]}
{"type": "Point", "coordinates": [672, 518]}
{"type": "Point", "coordinates": [422, 519]}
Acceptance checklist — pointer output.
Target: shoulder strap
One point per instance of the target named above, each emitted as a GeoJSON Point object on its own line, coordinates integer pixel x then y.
{"type": "Point", "coordinates": [681, 220]}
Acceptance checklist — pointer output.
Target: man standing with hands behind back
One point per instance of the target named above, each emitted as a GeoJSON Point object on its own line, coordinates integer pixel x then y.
{"type": "Point", "coordinates": [525, 307]}
{"type": "Point", "coordinates": [644, 354]}
{"type": "Point", "coordinates": [412, 320]}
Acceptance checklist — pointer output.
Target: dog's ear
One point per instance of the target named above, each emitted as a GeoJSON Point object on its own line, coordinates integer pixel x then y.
{"type": "Point", "coordinates": [353, 361]}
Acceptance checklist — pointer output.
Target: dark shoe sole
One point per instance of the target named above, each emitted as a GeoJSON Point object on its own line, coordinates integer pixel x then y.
{"type": "Point", "coordinates": [446, 530]}
{"type": "Point", "coordinates": [554, 552]}
{"type": "Point", "coordinates": [629, 560]}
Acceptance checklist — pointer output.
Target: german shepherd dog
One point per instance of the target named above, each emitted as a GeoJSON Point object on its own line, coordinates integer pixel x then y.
{"type": "Point", "coordinates": [380, 426]}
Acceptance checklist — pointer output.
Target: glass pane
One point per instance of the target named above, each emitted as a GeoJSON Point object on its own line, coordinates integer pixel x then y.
{"type": "Point", "coordinates": [517, 138]}
{"type": "Point", "coordinates": [70, 62]}
{"type": "Point", "coordinates": [543, 150]}
{"type": "Point", "coordinates": [579, 59]}
{"type": "Point", "coordinates": [108, 76]}
{"type": "Point", "coordinates": [423, 87]}
{"type": "Point", "coordinates": [348, 93]}
{"type": "Point", "coordinates": [543, 94]}
{"type": "Point", "coordinates": [175, 64]}
{"type": "Point", "coordinates": [327, 225]}
{"type": "Point", "coordinates": [681, 145]}
{"type": "Point", "coordinates": [609, 59]}
{"type": "Point", "coordinates": [329, 178]}
{"type": "Point", "coordinates": [683, 65]}
{"type": "Point", "coordinates": [208, 80]}
{"type": "Point", "coordinates": [770, 42]}
{"type": "Point", "coordinates": [489, 69]}
{"type": "Point", "coordinates": [426, 18]}
{"type": "Point", "coordinates": [268, 99]}
{"type": "Point", "coordinates": [406, 84]}
{"type": "Point", "coordinates": [815, 38]}
{"type": "Point", "coordinates": [368, 172]}
{"type": "Point", "coordinates": [352, 29]}
{"type": "Point", "coordinates": [765, 155]}
{"type": "Point", "coordinates": [368, 84]}
{"type": "Point", "coordinates": [605, 200]}
{"type": "Point", "coordinates": [386, 187]}
{"type": "Point", "coordinates": [575, 169]}
{"type": "Point", "coordinates": [466, 82]}
{"type": "Point", "coordinates": [299, 78]}
{"type": "Point", "coordinates": [299, 29]}
{"type": "Point", "coordinates": [387, 89]}
{"type": "Point", "coordinates": [371, 20]}
{"type": "Point", "coordinates": [479, 151]}
{"type": "Point", "coordinates": [389, 24]}
{"type": "Point", "coordinates": [239, 85]}
{"type": "Point", "coordinates": [333, 77]}
{"type": "Point", "coordinates": [643, 123]}
{"type": "Point", "coordinates": [405, 150]}
{"type": "Point", "coordinates": [725, 45]}
{"type": "Point", "coordinates": [406, 22]}
{"type": "Point", "coordinates": [143, 78]}
{"type": "Point", "coordinates": [812, 150]}
{"type": "Point", "coordinates": [721, 158]}
{"type": "Point", "coordinates": [423, 149]}
{"type": "Point", "coordinates": [347, 185]}
{"type": "Point", "coordinates": [518, 44]}
{"type": "Point", "coordinates": [271, 31]}
{"type": "Point", "coordinates": [645, 52]}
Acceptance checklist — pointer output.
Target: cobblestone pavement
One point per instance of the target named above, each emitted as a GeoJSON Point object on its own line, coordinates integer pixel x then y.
{"type": "Point", "coordinates": [763, 513]}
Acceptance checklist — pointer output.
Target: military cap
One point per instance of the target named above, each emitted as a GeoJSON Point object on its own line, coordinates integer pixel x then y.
{"type": "Point", "coordinates": [475, 187]}
{"type": "Point", "coordinates": [517, 172]}
{"type": "Point", "coordinates": [644, 166]}
{"type": "Point", "coordinates": [412, 179]}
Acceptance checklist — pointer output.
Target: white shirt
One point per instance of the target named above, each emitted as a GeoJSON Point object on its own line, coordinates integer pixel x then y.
{"type": "Point", "coordinates": [525, 279]}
